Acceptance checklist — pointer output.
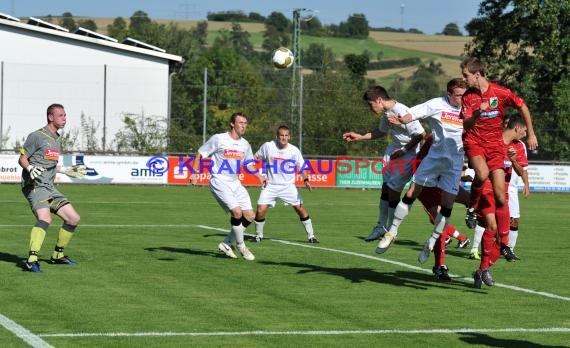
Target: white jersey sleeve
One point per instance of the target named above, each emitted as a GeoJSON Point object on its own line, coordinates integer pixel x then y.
{"type": "Point", "coordinates": [446, 125]}
{"type": "Point", "coordinates": [402, 134]}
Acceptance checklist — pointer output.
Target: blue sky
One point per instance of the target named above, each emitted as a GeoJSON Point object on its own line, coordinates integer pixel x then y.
{"type": "Point", "coordinates": [429, 16]}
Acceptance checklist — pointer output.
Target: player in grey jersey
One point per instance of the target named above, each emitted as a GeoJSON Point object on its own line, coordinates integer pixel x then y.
{"type": "Point", "coordinates": [39, 159]}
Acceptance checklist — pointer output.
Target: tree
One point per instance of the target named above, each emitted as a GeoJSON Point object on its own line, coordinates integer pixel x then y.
{"type": "Point", "coordinates": [356, 27]}
{"type": "Point", "coordinates": [357, 64]}
{"type": "Point", "coordinates": [256, 17]}
{"type": "Point", "coordinates": [422, 85]}
{"type": "Point", "coordinates": [277, 31]}
{"type": "Point", "coordinates": [532, 57]}
{"type": "Point", "coordinates": [89, 131]}
{"type": "Point", "coordinates": [142, 134]}
{"type": "Point", "coordinates": [318, 58]}
{"type": "Point", "coordinates": [312, 27]}
{"type": "Point", "coordinates": [87, 24]}
{"type": "Point", "coordinates": [240, 40]}
{"type": "Point", "coordinates": [118, 29]}
{"type": "Point", "coordinates": [278, 20]}
{"type": "Point", "coordinates": [139, 23]}
{"type": "Point", "coordinates": [67, 21]}
{"type": "Point", "coordinates": [451, 29]}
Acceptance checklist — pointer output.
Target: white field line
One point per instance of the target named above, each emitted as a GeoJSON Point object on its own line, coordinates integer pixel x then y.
{"type": "Point", "coordinates": [20, 331]}
{"type": "Point", "coordinates": [401, 264]}
{"type": "Point", "coordinates": [310, 332]}
{"type": "Point", "coordinates": [36, 341]}
{"type": "Point", "coordinates": [371, 257]}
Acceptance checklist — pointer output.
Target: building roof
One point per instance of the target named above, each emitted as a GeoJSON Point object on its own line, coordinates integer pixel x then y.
{"type": "Point", "coordinates": [140, 48]}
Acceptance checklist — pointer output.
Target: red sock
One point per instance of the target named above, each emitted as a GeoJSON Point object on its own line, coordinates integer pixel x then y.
{"type": "Point", "coordinates": [476, 191]}
{"type": "Point", "coordinates": [439, 247]}
{"type": "Point", "coordinates": [490, 250]}
{"type": "Point", "coordinates": [503, 217]}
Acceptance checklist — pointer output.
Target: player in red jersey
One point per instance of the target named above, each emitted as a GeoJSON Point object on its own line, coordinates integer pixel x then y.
{"type": "Point", "coordinates": [483, 110]}
{"type": "Point", "coordinates": [495, 238]}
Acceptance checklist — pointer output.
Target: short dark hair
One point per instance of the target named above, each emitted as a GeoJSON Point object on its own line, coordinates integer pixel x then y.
{"type": "Point", "coordinates": [51, 109]}
{"type": "Point", "coordinates": [515, 120]}
{"type": "Point", "coordinates": [456, 83]}
{"type": "Point", "coordinates": [473, 65]}
{"type": "Point", "coordinates": [376, 92]}
{"type": "Point", "coordinates": [235, 116]}
{"type": "Point", "coordinates": [285, 127]}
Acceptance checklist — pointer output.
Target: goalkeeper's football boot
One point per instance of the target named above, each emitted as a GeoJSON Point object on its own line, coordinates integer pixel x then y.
{"type": "Point", "coordinates": [226, 249]}
{"type": "Point", "coordinates": [246, 254]}
{"type": "Point", "coordinates": [32, 266]}
{"type": "Point", "coordinates": [313, 240]}
{"type": "Point", "coordinates": [508, 253]}
{"type": "Point", "coordinates": [471, 218]}
{"type": "Point", "coordinates": [385, 242]}
{"type": "Point", "coordinates": [377, 232]}
{"type": "Point", "coordinates": [62, 261]}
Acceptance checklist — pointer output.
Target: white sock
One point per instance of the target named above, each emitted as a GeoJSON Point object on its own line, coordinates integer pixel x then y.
{"type": "Point", "coordinates": [438, 227]}
{"type": "Point", "coordinates": [383, 212]}
{"type": "Point", "coordinates": [513, 235]}
{"type": "Point", "coordinates": [308, 225]}
{"type": "Point", "coordinates": [477, 237]}
{"type": "Point", "coordinates": [238, 233]}
{"type": "Point", "coordinates": [401, 211]}
{"type": "Point", "coordinates": [259, 227]}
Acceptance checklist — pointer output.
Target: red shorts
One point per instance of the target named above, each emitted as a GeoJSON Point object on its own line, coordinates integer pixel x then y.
{"type": "Point", "coordinates": [492, 150]}
{"type": "Point", "coordinates": [486, 203]}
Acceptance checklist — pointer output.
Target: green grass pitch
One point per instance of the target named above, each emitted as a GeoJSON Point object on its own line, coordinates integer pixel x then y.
{"type": "Point", "coordinates": [149, 274]}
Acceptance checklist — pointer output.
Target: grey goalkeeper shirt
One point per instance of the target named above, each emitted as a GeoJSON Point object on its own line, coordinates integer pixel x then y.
{"type": "Point", "coordinates": [42, 148]}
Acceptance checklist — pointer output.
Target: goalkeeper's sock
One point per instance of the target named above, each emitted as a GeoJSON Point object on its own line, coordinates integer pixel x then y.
{"type": "Point", "coordinates": [65, 235]}
{"type": "Point", "coordinates": [37, 236]}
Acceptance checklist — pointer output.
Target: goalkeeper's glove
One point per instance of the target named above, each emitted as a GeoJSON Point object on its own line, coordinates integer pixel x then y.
{"type": "Point", "coordinates": [35, 171]}
{"type": "Point", "coordinates": [77, 171]}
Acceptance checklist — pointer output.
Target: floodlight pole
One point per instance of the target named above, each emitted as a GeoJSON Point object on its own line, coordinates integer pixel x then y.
{"type": "Point", "coordinates": [296, 78]}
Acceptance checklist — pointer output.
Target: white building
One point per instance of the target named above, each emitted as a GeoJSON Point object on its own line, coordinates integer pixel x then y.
{"type": "Point", "coordinates": [90, 74]}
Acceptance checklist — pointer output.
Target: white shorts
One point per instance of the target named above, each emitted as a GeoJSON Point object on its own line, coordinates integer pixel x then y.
{"type": "Point", "coordinates": [288, 193]}
{"type": "Point", "coordinates": [514, 202]}
{"type": "Point", "coordinates": [230, 194]}
{"type": "Point", "coordinates": [440, 172]}
{"type": "Point", "coordinates": [400, 170]}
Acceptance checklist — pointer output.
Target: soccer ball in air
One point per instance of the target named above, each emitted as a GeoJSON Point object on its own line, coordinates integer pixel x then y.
{"type": "Point", "coordinates": [283, 58]}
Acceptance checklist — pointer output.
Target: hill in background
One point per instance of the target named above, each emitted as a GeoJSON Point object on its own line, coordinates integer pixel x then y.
{"type": "Point", "coordinates": [445, 50]}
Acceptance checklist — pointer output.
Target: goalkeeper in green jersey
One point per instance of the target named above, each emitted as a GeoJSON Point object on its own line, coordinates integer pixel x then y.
{"type": "Point", "coordinates": [39, 158]}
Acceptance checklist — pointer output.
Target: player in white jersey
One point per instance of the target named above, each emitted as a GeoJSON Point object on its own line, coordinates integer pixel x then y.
{"type": "Point", "coordinates": [519, 173]}
{"type": "Point", "coordinates": [399, 156]}
{"type": "Point", "coordinates": [281, 161]}
{"type": "Point", "coordinates": [230, 152]}
{"type": "Point", "coordinates": [440, 168]}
